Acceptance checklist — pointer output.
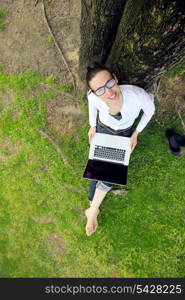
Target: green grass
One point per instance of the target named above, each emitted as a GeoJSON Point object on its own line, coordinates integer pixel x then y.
{"type": "Point", "coordinates": [140, 234]}
{"type": "Point", "coordinates": [49, 11]}
{"type": "Point", "coordinates": [50, 40]}
{"type": "Point", "coordinates": [177, 69]}
{"type": "Point", "coordinates": [3, 16]}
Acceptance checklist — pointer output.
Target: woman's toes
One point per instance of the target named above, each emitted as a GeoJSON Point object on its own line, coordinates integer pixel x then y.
{"type": "Point", "coordinates": [89, 229]}
{"type": "Point", "coordinates": [92, 224]}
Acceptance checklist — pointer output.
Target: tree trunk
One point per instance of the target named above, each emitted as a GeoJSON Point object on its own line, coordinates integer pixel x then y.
{"type": "Point", "coordinates": [150, 39]}
{"type": "Point", "coordinates": [99, 23]}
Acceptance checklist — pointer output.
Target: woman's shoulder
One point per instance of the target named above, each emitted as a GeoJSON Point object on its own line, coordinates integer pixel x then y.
{"type": "Point", "coordinates": [90, 95]}
{"type": "Point", "coordinates": [131, 88]}
{"type": "Point", "coordinates": [136, 94]}
{"type": "Point", "coordinates": [93, 99]}
{"type": "Point", "coordinates": [133, 94]}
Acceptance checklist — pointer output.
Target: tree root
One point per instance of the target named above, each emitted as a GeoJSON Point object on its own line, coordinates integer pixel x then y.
{"type": "Point", "coordinates": [67, 186]}
{"type": "Point", "coordinates": [45, 135]}
{"type": "Point", "coordinates": [56, 44]}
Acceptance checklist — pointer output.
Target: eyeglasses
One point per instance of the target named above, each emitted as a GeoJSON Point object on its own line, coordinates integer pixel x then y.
{"type": "Point", "coordinates": [101, 90]}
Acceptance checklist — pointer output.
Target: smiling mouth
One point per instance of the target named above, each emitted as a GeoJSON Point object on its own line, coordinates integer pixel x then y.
{"type": "Point", "coordinates": [112, 96]}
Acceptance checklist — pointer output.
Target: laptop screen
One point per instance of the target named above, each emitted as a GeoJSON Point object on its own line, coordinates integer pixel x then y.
{"type": "Point", "coordinates": [106, 171]}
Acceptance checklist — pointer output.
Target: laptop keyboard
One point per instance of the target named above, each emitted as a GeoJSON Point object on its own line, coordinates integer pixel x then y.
{"type": "Point", "coordinates": [109, 153]}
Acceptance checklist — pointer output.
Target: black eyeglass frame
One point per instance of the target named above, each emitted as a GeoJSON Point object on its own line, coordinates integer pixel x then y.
{"type": "Point", "coordinates": [105, 86]}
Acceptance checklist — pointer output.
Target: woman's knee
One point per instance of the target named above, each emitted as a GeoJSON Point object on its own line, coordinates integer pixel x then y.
{"type": "Point", "coordinates": [104, 186]}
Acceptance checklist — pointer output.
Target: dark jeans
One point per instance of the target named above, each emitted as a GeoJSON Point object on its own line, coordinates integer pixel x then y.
{"type": "Point", "coordinates": [101, 184]}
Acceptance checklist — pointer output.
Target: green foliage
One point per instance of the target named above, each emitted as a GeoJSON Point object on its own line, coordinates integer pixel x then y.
{"type": "Point", "coordinates": [50, 40]}
{"type": "Point", "coordinates": [49, 11]}
{"type": "Point", "coordinates": [3, 16]}
{"type": "Point", "coordinates": [177, 69]}
{"type": "Point", "coordinates": [67, 88]}
{"type": "Point", "coordinates": [1, 67]}
{"type": "Point", "coordinates": [51, 79]}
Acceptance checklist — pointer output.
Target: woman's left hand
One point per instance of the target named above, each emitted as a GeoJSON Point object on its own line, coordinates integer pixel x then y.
{"type": "Point", "coordinates": [133, 140]}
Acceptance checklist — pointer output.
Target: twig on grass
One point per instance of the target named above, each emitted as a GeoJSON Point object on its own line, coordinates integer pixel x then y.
{"type": "Point", "coordinates": [178, 112]}
{"type": "Point", "coordinates": [156, 88]}
{"type": "Point", "coordinates": [45, 135]}
{"type": "Point", "coordinates": [72, 188]}
{"type": "Point", "coordinates": [156, 94]}
{"type": "Point", "coordinates": [67, 186]}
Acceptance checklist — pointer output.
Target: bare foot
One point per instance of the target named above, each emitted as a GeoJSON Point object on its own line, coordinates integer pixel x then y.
{"type": "Point", "coordinates": [92, 223]}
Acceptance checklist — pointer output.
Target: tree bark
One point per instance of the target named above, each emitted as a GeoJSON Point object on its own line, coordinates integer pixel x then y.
{"type": "Point", "coordinates": [99, 23]}
{"type": "Point", "coordinates": [150, 39]}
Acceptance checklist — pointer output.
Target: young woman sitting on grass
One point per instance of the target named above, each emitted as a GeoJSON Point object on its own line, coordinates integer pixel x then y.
{"type": "Point", "coordinates": [113, 109]}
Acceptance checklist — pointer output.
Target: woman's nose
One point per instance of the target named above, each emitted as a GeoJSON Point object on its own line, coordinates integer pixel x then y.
{"type": "Point", "coordinates": [109, 91]}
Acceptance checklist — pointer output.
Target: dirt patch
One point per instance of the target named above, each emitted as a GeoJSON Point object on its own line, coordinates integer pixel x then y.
{"type": "Point", "coordinates": [6, 99]}
{"type": "Point", "coordinates": [33, 160]}
{"type": "Point", "coordinates": [15, 114]}
{"type": "Point", "coordinates": [45, 168]}
{"type": "Point", "coordinates": [171, 98]}
{"type": "Point", "coordinates": [56, 244]}
{"type": "Point", "coordinates": [9, 150]}
{"type": "Point", "coordinates": [64, 115]}
{"type": "Point", "coordinates": [26, 41]}
{"type": "Point", "coordinates": [78, 211]}
{"type": "Point", "coordinates": [64, 17]}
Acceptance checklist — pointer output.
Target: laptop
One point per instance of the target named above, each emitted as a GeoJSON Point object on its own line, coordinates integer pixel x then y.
{"type": "Point", "coordinates": [108, 160]}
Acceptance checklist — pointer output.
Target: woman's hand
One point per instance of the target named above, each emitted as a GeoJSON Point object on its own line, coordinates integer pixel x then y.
{"type": "Point", "coordinates": [133, 140]}
{"type": "Point", "coordinates": [91, 133]}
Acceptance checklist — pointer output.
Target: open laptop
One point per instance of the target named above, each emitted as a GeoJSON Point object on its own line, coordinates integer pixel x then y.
{"type": "Point", "coordinates": [108, 158]}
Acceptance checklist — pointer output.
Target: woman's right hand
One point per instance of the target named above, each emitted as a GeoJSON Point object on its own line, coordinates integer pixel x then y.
{"type": "Point", "coordinates": [91, 133]}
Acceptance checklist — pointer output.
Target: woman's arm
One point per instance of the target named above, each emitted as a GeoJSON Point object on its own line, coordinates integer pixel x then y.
{"type": "Point", "coordinates": [133, 139]}
{"type": "Point", "coordinates": [148, 108]}
{"type": "Point", "coordinates": [91, 133]}
{"type": "Point", "coordinates": [92, 112]}
{"type": "Point", "coordinates": [92, 118]}
{"type": "Point", "coordinates": [146, 102]}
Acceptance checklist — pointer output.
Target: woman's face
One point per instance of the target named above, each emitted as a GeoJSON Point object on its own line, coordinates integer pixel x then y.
{"type": "Point", "coordinates": [99, 80]}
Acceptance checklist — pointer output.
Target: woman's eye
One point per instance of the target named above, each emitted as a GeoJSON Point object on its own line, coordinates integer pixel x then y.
{"type": "Point", "coordinates": [100, 91]}
{"type": "Point", "coordinates": [110, 83]}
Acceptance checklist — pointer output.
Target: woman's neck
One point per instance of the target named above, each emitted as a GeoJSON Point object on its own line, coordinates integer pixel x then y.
{"type": "Point", "coordinates": [115, 108]}
{"type": "Point", "coordinates": [117, 102]}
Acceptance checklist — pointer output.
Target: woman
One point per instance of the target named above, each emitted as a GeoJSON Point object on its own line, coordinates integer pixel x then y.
{"type": "Point", "coordinates": [113, 109]}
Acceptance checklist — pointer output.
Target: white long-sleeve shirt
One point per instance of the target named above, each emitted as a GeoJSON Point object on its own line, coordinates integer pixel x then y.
{"type": "Point", "coordinates": [135, 99]}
